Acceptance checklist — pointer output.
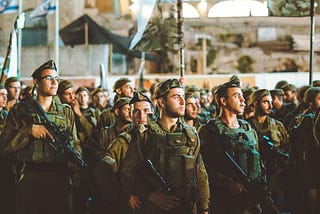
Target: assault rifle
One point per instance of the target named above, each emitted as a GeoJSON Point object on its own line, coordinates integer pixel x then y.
{"type": "Point", "coordinates": [151, 176]}
{"type": "Point", "coordinates": [62, 138]}
{"type": "Point", "coordinates": [257, 189]}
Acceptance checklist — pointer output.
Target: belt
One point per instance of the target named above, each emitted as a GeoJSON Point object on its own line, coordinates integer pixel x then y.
{"type": "Point", "coordinates": [32, 166]}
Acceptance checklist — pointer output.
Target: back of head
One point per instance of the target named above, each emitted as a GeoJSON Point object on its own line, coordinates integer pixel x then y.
{"type": "Point", "coordinates": [311, 94]}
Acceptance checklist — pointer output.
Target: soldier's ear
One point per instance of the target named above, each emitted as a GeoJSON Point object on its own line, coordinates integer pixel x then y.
{"type": "Point", "coordinates": [118, 91]}
{"type": "Point", "coordinates": [160, 102]}
{"type": "Point", "coordinates": [223, 101]}
{"type": "Point", "coordinates": [116, 111]}
{"type": "Point", "coordinates": [36, 83]}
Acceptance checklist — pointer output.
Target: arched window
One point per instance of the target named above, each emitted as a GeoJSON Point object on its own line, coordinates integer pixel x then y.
{"type": "Point", "coordinates": [35, 31]}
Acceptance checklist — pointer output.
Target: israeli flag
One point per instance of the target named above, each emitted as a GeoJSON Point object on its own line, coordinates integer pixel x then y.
{"type": "Point", "coordinates": [47, 7]}
{"type": "Point", "coordinates": [9, 6]}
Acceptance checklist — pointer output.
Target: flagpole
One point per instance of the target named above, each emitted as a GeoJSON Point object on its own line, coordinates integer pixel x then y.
{"type": "Point", "coordinates": [312, 30]}
{"type": "Point", "coordinates": [19, 38]}
{"type": "Point", "coordinates": [57, 24]}
{"type": "Point", "coordinates": [181, 37]}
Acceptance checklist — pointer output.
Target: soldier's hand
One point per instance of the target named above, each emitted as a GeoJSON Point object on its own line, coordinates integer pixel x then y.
{"type": "Point", "coordinates": [163, 200]}
{"type": "Point", "coordinates": [40, 132]}
{"type": "Point", "coordinates": [134, 202]}
{"type": "Point", "coordinates": [76, 108]}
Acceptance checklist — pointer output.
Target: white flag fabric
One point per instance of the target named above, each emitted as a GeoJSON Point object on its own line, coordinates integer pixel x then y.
{"type": "Point", "coordinates": [144, 13]}
{"type": "Point", "coordinates": [47, 7]}
{"type": "Point", "coordinates": [9, 6]}
{"type": "Point", "coordinates": [13, 63]}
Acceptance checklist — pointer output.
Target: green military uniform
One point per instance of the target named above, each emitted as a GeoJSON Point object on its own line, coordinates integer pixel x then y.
{"type": "Point", "coordinates": [176, 155]}
{"type": "Point", "coordinates": [216, 138]}
{"type": "Point", "coordinates": [107, 118]}
{"type": "Point", "coordinates": [44, 187]}
{"type": "Point", "coordinates": [107, 175]}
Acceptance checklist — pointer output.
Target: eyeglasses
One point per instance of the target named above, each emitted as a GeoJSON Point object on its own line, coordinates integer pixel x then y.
{"type": "Point", "coordinates": [50, 78]}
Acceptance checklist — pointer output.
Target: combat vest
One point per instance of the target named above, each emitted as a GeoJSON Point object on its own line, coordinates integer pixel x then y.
{"type": "Point", "coordinates": [241, 144]}
{"type": "Point", "coordinates": [177, 161]}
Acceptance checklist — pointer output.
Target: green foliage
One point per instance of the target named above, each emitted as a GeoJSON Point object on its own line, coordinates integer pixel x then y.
{"type": "Point", "coordinates": [245, 64]}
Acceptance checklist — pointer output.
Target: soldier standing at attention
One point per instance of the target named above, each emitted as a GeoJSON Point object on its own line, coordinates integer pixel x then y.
{"type": "Point", "coordinates": [173, 148]}
{"type": "Point", "coordinates": [228, 133]}
{"type": "Point", "coordinates": [107, 173]}
{"type": "Point", "coordinates": [43, 184]}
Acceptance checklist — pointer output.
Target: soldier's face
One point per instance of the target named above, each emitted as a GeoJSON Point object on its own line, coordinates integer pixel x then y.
{"type": "Point", "coordinates": [288, 96]}
{"type": "Point", "coordinates": [47, 84]}
{"type": "Point", "coordinates": [68, 96]}
{"type": "Point", "coordinates": [127, 90]}
{"type": "Point", "coordinates": [3, 97]}
{"type": "Point", "coordinates": [234, 101]}
{"type": "Point", "coordinates": [191, 108]}
{"type": "Point", "coordinates": [174, 103]}
{"type": "Point", "coordinates": [83, 98]}
{"type": "Point", "coordinates": [316, 103]}
{"type": "Point", "coordinates": [14, 89]}
{"type": "Point", "coordinates": [264, 106]}
{"type": "Point", "coordinates": [125, 113]}
{"type": "Point", "coordinates": [140, 112]}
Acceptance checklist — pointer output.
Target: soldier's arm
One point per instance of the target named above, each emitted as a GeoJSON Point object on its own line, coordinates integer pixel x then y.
{"type": "Point", "coordinates": [16, 132]}
{"type": "Point", "coordinates": [72, 125]}
{"type": "Point", "coordinates": [203, 185]}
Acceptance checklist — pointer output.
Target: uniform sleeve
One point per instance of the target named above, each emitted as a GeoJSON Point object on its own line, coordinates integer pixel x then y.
{"type": "Point", "coordinates": [16, 132]}
{"type": "Point", "coordinates": [132, 182]}
{"type": "Point", "coordinates": [203, 185]}
{"type": "Point", "coordinates": [72, 124]}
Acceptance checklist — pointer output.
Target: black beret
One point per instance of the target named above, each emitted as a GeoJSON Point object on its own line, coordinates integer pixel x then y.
{"type": "Point", "coordinates": [47, 65]}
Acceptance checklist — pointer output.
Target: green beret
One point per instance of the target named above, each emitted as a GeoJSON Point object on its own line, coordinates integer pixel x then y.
{"type": "Point", "coordinates": [165, 86]}
{"type": "Point", "coordinates": [120, 82]}
{"type": "Point", "coordinates": [139, 97]}
{"type": "Point", "coordinates": [47, 65]}
{"type": "Point", "coordinates": [289, 87]}
{"type": "Point", "coordinates": [64, 85]}
{"type": "Point", "coordinates": [121, 102]}
{"type": "Point", "coordinates": [257, 95]}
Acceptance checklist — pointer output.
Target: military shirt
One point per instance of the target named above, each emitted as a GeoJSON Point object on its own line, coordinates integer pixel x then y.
{"type": "Point", "coordinates": [146, 144]}
{"type": "Point", "coordinates": [16, 135]}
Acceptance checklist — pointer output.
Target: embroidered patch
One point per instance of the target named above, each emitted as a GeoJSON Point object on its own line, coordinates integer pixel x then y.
{"type": "Point", "coordinates": [109, 160]}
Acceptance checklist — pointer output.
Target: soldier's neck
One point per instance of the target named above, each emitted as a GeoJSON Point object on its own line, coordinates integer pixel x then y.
{"type": "Point", "coordinates": [45, 102]}
{"type": "Point", "coordinates": [168, 122]}
{"type": "Point", "coordinates": [229, 119]}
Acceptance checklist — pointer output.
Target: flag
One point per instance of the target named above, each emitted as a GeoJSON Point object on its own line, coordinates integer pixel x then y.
{"type": "Point", "coordinates": [157, 26]}
{"type": "Point", "coordinates": [9, 6]}
{"type": "Point", "coordinates": [290, 8]}
{"type": "Point", "coordinates": [47, 7]}
{"type": "Point", "coordinates": [10, 66]}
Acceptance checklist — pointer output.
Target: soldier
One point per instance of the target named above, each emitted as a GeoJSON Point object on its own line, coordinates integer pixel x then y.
{"type": "Point", "coordinates": [228, 133]}
{"type": "Point", "coordinates": [107, 173]}
{"type": "Point", "coordinates": [6, 163]}
{"type": "Point", "coordinates": [191, 113]}
{"type": "Point", "coordinates": [43, 181]}
{"type": "Point", "coordinates": [173, 148]}
{"type": "Point", "coordinates": [123, 88]}
{"type": "Point", "coordinates": [13, 86]}
{"type": "Point", "coordinates": [265, 125]}
{"type": "Point", "coordinates": [86, 124]}
{"type": "Point", "coordinates": [280, 109]}
{"type": "Point", "coordinates": [123, 122]}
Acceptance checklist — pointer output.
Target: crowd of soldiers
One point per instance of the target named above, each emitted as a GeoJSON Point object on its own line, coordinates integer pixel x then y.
{"type": "Point", "coordinates": [174, 148]}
